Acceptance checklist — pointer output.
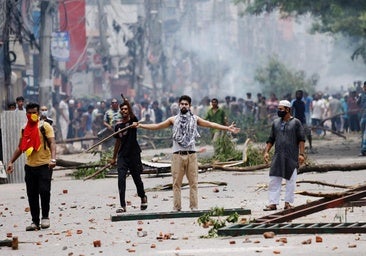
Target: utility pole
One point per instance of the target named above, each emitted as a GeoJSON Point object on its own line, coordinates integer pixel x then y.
{"type": "Point", "coordinates": [45, 82]}
{"type": "Point", "coordinates": [5, 9]}
{"type": "Point", "coordinates": [154, 32]}
{"type": "Point", "coordinates": [104, 49]}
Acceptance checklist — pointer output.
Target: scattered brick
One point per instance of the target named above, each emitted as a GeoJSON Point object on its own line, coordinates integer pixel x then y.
{"type": "Point", "coordinates": [318, 239]}
{"type": "Point", "coordinates": [97, 243]}
{"type": "Point", "coordinates": [269, 234]}
{"type": "Point", "coordinates": [282, 240]}
{"type": "Point", "coordinates": [308, 241]}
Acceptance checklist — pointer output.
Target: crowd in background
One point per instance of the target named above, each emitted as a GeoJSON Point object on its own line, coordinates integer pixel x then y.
{"type": "Point", "coordinates": [75, 118]}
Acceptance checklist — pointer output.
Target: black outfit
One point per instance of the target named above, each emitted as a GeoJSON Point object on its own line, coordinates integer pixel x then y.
{"type": "Point", "coordinates": [287, 136]}
{"type": "Point", "coordinates": [38, 184]}
{"type": "Point", "coordinates": [158, 115]}
{"type": "Point", "coordinates": [129, 159]}
{"type": "Point", "coordinates": [298, 107]}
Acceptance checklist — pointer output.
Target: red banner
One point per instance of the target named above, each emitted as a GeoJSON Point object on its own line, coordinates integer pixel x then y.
{"type": "Point", "coordinates": [72, 19]}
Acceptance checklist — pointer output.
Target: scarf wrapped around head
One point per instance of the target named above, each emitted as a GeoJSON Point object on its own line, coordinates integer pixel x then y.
{"type": "Point", "coordinates": [185, 129]}
{"type": "Point", "coordinates": [30, 138]}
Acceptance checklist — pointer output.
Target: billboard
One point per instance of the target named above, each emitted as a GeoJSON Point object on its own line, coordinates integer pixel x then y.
{"type": "Point", "coordinates": [60, 46]}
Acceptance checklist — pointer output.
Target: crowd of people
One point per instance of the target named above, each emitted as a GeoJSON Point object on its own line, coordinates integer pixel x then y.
{"type": "Point", "coordinates": [289, 119]}
{"type": "Point", "coordinates": [75, 118]}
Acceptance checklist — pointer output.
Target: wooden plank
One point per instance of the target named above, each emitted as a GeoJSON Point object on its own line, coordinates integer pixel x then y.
{"type": "Point", "coordinates": [304, 210]}
{"type": "Point", "coordinates": [172, 214]}
{"type": "Point", "coordinates": [352, 196]}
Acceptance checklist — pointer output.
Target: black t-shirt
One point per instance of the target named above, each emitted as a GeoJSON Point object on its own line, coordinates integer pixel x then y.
{"type": "Point", "coordinates": [129, 144]}
{"type": "Point", "coordinates": [298, 108]}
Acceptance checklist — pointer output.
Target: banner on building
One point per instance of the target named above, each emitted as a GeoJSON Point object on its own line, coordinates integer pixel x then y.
{"type": "Point", "coordinates": [72, 19]}
{"type": "Point", "coordinates": [60, 46]}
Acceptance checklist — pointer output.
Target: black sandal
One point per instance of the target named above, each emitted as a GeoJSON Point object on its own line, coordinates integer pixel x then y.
{"type": "Point", "coordinates": [271, 207]}
{"type": "Point", "coordinates": [288, 206]}
{"type": "Point", "coordinates": [121, 210]}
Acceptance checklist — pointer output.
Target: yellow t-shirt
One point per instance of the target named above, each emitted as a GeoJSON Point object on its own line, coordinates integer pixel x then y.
{"type": "Point", "coordinates": [42, 156]}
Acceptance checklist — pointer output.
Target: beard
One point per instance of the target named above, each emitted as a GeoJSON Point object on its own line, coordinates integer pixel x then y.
{"type": "Point", "coordinates": [184, 110]}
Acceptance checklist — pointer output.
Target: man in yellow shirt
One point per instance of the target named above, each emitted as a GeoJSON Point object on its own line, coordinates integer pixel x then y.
{"type": "Point", "coordinates": [38, 143]}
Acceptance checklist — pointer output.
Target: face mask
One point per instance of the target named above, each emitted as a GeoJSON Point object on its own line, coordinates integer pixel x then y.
{"type": "Point", "coordinates": [44, 113]}
{"type": "Point", "coordinates": [281, 113]}
{"type": "Point", "coordinates": [32, 117]}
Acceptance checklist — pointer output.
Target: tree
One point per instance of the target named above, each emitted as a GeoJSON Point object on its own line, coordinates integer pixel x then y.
{"type": "Point", "coordinates": [276, 77]}
{"type": "Point", "coordinates": [336, 17]}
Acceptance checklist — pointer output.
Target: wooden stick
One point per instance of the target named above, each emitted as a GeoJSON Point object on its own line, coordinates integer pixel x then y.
{"type": "Point", "coordinates": [324, 184]}
{"type": "Point", "coordinates": [320, 194]}
{"type": "Point", "coordinates": [107, 138]}
{"type": "Point", "coordinates": [97, 172]}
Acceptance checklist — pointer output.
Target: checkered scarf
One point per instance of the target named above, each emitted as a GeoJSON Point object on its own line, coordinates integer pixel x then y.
{"type": "Point", "coordinates": [185, 129]}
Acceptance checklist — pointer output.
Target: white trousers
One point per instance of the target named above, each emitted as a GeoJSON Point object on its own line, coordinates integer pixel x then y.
{"type": "Point", "coordinates": [274, 189]}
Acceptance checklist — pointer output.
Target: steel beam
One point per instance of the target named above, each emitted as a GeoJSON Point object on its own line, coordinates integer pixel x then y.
{"type": "Point", "coordinates": [173, 214]}
{"type": "Point", "coordinates": [293, 228]}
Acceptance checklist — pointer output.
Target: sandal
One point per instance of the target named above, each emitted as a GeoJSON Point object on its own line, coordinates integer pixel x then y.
{"type": "Point", "coordinates": [271, 207]}
{"type": "Point", "coordinates": [143, 203]}
{"type": "Point", "coordinates": [287, 206]}
{"type": "Point", "coordinates": [121, 210]}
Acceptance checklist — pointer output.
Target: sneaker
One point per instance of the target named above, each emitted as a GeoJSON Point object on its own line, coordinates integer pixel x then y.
{"type": "Point", "coordinates": [143, 203]}
{"type": "Point", "coordinates": [121, 210]}
{"type": "Point", "coordinates": [45, 223]}
{"type": "Point", "coordinates": [32, 227]}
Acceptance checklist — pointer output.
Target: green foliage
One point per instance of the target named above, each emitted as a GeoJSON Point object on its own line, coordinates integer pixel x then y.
{"type": "Point", "coordinates": [277, 78]}
{"type": "Point", "coordinates": [255, 156]}
{"type": "Point", "coordinates": [225, 149]}
{"type": "Point", "coordinates": [214, 220]}
{"type": "Point", "coordinates": [104, 160]}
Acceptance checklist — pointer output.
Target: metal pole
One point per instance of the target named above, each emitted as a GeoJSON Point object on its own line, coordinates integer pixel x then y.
{"type": "Point", "coordinates": [45, 82]}
{"type": "Point", "coordinates": [7, 96]}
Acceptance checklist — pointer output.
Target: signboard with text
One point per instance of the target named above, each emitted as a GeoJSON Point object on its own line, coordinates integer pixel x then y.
{"type": "Point", "coordinates": [60, 46]}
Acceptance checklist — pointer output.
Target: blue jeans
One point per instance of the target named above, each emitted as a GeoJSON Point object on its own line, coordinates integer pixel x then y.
{"type": "Point", "coordinates": [363, 139]}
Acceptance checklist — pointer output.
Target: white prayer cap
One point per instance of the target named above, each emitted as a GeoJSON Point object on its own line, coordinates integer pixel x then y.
{"type": "Point", "coordinates": [71, 102]}
{"type": "Point", "coordinates": [285, 103]}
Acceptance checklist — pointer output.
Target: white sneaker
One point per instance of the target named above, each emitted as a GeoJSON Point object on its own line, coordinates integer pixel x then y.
{"type": "Point", "coordinates": [32, 227]}
{"type": "Point", "coordinates": [45, 223]}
